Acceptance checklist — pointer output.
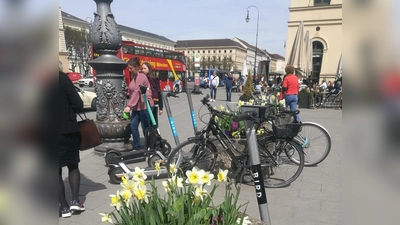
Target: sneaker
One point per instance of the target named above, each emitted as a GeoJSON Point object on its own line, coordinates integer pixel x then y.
{"type": "Point", "coordinates": [76, 206]}
{"type": "Point", "coordinates": [66, 212]}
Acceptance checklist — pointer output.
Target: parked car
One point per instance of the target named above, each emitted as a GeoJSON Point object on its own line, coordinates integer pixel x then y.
{"type": "Point", "coordinates": [87, 81]}
{"type": "Point", "coordinates": [74, 76]}
{"type": "Point", "coordinates": [89, 98]}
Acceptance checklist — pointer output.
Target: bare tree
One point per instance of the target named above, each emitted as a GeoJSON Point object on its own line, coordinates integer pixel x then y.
{"type": "Point", "coordinates": [78, 47]}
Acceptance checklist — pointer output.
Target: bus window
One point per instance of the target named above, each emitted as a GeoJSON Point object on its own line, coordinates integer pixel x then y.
{"type": "Point", "coordinates": [149, 51]}
{"type": "Point", "coordinates": [128, 49]}
{"type": "Point", "coordinates": [170, 76]}
{"type": "Point", "coordinates": [163, 75]}
{"type": "Point", "coordinates": [159, 53]}
{"type": "Point", "coordinates": [167, 55]}
{"type": "Point", "coordinates": [139, 50]}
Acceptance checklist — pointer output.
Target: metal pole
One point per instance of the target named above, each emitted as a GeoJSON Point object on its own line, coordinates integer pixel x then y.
{"type": "Point", "coordinates": [255, 52]}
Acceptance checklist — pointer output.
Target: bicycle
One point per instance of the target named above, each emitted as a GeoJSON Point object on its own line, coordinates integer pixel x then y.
{"type": "Point", "coordinates": [277, 163]}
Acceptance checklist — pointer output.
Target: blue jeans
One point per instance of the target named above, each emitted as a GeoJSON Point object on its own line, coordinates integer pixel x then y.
{"type": "Point", "coordinates": [143, 117]}
{"type": "Point", "coordinates": [291, 100]}
{"type": "Point", "coordinates": [228, 93]}
{"type": "Point", "coordinates": [213, 90]}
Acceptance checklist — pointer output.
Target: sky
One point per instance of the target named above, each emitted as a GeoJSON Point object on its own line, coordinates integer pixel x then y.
{"type": "Point", "coordinates": [202, 19]}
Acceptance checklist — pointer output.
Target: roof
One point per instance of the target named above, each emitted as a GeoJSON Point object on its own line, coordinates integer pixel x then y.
{"type": "Point", "coordinates": [207, 43]}
{"type": "Point", "coordinates": [249, 45]}
{"type": "Point", "coordinates": [126, 29]}
{"type": "Point", "coordinates": [67, 15]}
{"type": "Point", "coordinates": [277, 56]}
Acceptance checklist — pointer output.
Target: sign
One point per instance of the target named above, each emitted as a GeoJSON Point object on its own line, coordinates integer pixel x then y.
{"type": "Point", "coordinates": [196, 79]}
{"type": "Point", "coordinates": [197, 60]}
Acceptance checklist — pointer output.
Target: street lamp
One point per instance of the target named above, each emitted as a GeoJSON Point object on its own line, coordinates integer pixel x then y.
{"type": "Point", "coordinates": [247, 20]}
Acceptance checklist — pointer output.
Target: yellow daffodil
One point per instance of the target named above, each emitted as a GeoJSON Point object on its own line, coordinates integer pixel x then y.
{"type": "Point", "coordinates": [207, 177]}
{"type": "Point", "coordinates": [260, 131]}
{"type": "Point", "coordinates": [263, 103]}
{"type": "Point", "coordinates": [251, 102]}
{"type": "Point", "coordinates": [139, 174]}
{"type": "Point", "coordinates": [278, 94]}
{"type": "Point", "coordinates": [116, 200]}
{"type": "Point", "coordinates": [216, 118]}
{"type": "Point", "coordinates": [198, 193]}
{"type": "Point", "coordinates": [157, 166]}
{"type": "Point", "coordinates": [227, 110]}
{"type": "Point", "coordinates": [240, 103]}
{"type": "Point", "coordinates": [263, 97]}
{"type": "Point", "coordinates": [221, 108]}
{"type": "Point", "coordinates": [194, 175]}
{"type": "Point", "coordinates": [106, 218]}
{"type": "Point", "coordinates": [126, 196]}
{"type": "Point", "coordinates": [141, 194]}
{"type": "Point", "coordinates": [273, 97]}
{"type": "Point", "coordinates": [127, 184]}
{"type": "Point", "coordinates": [246, 221]}
{"type": "Point", "coordinates": [172, 168]}
{"type": "Point", "coordinates": [222, 175]}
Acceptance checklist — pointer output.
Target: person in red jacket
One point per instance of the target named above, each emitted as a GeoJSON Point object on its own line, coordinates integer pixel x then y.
{"type": "Point", "coordinates": [290, 88]}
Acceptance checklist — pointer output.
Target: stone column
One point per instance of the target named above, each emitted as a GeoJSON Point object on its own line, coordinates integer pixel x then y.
{"type": "Point", "coordinates": [110, 88]}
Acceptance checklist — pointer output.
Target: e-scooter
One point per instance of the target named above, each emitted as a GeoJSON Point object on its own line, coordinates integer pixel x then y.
{"type": "Point", "coordinates": [117, 170]}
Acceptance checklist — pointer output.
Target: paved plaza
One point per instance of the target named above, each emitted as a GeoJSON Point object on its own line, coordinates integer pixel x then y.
{"type": "Point", "coordinates": [314, 198]}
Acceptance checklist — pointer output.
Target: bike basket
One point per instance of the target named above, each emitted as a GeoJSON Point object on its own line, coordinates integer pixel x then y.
{"type": "Point", "coordinates": [284, 118]}
{"type": "Point", "coordinates": [150, 137]}
{"type": "Point", "coordinates": [286, 130]}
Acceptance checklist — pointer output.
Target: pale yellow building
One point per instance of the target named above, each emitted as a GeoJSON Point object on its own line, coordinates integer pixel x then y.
{"type": "Point", "coordinates": [62, 49]}
{"type": "Point", "coordinates": [323, 19]}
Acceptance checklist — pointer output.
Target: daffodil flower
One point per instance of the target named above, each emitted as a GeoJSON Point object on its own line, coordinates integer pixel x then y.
{"type": "Point", "coordinates": [263, 97]}
{"type": "Point", "coordinates": [240, 103]}
{"type": "Point", "coordinates": [222, 175]}
{"type": "Point", "coordinates": [172, 168]}
{"type": "Point", "coordinates": [246, 221]}
{"type": "Point", "coordinates": [262, 103]}
{"type": "Point", "coordinates": [116, 200]}
{"type": "Point", "coordinates": [198, 193]}
{"type": "Point", "coordinates": [207, 177]}
{"type": "Point", "coordinates": [127, 184]}
{"type": "Point", "coordinates": [106, 218]}
{"type": "Point", "coordinates": [166, 186]}
{"type": "Point", "coordinates": [139, 174]}
{"type": "Point", "coordinates": [157, 166]}
{"type": "Point", "coordinates": [126, 196]}
{"type": "Point", "coordinates": [273, 97]}
{"type": "Point", "coordinates": [194, 175]}
{"type": "Point", "coordinates": [177, 181]}
{"type": "Point", "coordinates": [251, 101]}
{"type": "Point", "coordinates": [221, 108]}
{"type": "Point", "coordinates": [141, 194]}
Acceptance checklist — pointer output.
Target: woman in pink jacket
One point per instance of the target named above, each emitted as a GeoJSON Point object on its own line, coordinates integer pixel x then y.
{"type": "Point", "coordinates": [136, 104]}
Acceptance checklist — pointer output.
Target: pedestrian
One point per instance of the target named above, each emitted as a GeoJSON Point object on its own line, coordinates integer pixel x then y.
{"type": "Point", "coordinates": [68, 141]}
{"type": "Point", "coordinates": [155, 90]}
{"type": "Point", "coordinates": [228, 85]}
{"type": "Point", "coordinates": [330, 86]}
{"type": "Point", "coordinates": [136, 105]}
{"type": "Point", "coordinates": [213, 83]}
{"type": "Point", "coordinates": [290, 89]}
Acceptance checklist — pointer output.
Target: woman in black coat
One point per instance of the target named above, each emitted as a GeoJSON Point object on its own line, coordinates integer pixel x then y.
{"type": "Point", "coordinates": [68, 136]}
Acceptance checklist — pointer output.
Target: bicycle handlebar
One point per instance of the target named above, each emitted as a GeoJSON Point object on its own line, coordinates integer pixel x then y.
{"type": "Point", "coordinates": [213, 111]}
{"type": "Point", "coordinates": [245, 116]}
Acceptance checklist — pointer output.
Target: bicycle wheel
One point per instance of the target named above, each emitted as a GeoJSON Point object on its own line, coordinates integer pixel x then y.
{"type": "Point", "coordinates": [192, 153]}
{"type": "Point", "coordinates": [280, 170]}
{"type": "Point", "coordinates": [316, 143]}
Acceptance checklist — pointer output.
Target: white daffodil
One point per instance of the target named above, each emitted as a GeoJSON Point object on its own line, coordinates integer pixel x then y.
{"type": "Point", "coordinates": [207, 177]}
{"type": "Point", "coordinates": [106, 218]}
{"type": "Point", "coordinates": [141, 194]}
{"type": "Point", "coordinates": [126, 196]}
{"type": "Point", "coordinates": [262, 103]}
{"type": "Point", "coordinates": [172, 168]}
{"type": "Point", "coordinates": [273, 97]}
{"type": "Point", "coordinates": [246, 221]}
{"type": "Point", "coordinates": [221, 108]}
{"type": "Point", "coordinates": [116, 200]}
{"type": "Point", "coordinates": [194, 175]}
{"type": "Point", "coordinates": [240, 103]}
{"type": "Point", "coordinates": [198, 193]}
{"type": "Point", "coordinates": [177, 181]}
{"type": "Point", "coordinates": [139, 174]}
{"type": "Point", "coordinates": [263, 97]}
{"type": "Point", "coordinates": [222, 175]}
{"type": "Point", "coordinates": [251, 101]}
{"type": "Point", "coordinates": [166, 186]}
{"type": "Point", "coordinates": [127, 184]}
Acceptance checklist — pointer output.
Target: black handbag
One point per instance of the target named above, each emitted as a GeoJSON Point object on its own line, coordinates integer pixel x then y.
{"type": "Point", "coordinates": [89, 134]}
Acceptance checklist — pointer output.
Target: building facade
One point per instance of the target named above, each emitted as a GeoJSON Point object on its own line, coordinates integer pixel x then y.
{"type": "Point", "coordinates": [323, 20]}
{"type": "Point", "coordinates": [62, 49]}
{"type": "Point", "coordinates": [224, 54]}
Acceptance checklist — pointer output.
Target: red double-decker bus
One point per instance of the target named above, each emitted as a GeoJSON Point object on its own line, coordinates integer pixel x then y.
{"type": "Point", "coordinates": [169, 66]}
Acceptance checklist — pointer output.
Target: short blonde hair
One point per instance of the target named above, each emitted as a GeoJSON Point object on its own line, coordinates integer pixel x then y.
{"type": "Point", "coordinates": [289, 69]}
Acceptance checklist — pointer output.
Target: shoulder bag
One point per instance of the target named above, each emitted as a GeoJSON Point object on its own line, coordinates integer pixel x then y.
{"type": "Point", "coordinates": [89, 134]}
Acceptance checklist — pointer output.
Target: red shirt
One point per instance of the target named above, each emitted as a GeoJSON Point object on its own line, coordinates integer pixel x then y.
{"type": "Point", "coordinates": [292, 83]}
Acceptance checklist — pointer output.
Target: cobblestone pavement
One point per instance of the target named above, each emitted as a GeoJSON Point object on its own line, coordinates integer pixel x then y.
{"type": "Point", "coordinates": [314, 198]}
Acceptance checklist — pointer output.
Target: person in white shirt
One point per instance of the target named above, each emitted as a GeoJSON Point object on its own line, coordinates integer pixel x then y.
{"type": "Point", "coordinates": [214, 82]}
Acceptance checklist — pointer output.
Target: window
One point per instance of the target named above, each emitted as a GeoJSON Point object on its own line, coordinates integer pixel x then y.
{"type": "Point", "coordinates": [139, 50]}
{"type": "Point", "coordinates": [193, 52]}
{"type": "Point", "coordinates": [198, 51]}
{"type": "Point", "coordinates": [230, 51]}
{"type": "Point", "coordinates": [128, 49]}
{"type": "Point", "coordinates": [214, 51]}
{"type": "Point", "coordinates": [208, 51]}
{"type": "Point", "coordinates": [204, 51]}
{"type": "Point", "coordinates": [150, 51]}
{"type": "Point", "coordinates": [322, 2]}
{"type": "Point", "coordinates": [224, 51]}
{"type": "Point", "coordinates": [219, 51]}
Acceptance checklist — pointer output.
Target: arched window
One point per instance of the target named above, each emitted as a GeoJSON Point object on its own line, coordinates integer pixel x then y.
{"type": "Point", "coordinates": [318, 53]}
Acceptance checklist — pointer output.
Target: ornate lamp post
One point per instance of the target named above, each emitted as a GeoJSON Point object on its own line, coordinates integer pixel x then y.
{"type": "Point", "coordinates": [110, 87]}
{"type": "Point", "coordinates": [247, 20]}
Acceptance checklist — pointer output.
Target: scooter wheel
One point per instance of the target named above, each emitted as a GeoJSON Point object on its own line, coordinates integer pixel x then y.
{"type": "Point", "coordinates": [114, 179]}
{"type": "Point", "coordinates": [165, 147]}
{"type": "Point", "coordinates": [153, 160]}
{"type": "Point", "coordinates": [111, 158]}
